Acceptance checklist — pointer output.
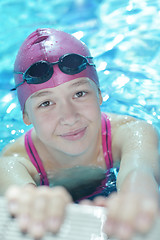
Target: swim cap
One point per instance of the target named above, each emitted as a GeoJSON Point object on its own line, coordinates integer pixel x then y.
{"type": "Point", "coordinates": [49, 45]}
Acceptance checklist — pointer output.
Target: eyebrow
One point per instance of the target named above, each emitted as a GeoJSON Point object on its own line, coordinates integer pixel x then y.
{"type": "Point", "coordinates": [44, 93]}
{"type": "Point", "coordinates": [79, 83]}
{"type": "Point", "coordinates": [40, 94]}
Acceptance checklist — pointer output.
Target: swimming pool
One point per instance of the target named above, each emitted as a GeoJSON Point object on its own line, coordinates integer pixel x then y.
{"type": "Point", "coordinates": [123, 36]}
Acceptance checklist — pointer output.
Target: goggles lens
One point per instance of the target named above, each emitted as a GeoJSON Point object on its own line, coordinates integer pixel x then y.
{"type": "Point", "coordinates": [39, 72]}
{"type": "Point", "coordinates": [42, 71]}
{"type": "Point", "coordinates": [72, 63]}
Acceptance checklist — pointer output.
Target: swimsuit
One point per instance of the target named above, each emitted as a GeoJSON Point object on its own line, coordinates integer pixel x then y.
{"type": "Point", "coordinates": [35, 159]}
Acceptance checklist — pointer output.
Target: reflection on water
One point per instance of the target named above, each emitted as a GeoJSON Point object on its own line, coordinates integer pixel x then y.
{"type": "Point", "coordinates": [122, 35]}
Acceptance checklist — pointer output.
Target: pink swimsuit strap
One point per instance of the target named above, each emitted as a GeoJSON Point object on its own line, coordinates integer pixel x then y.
{"type": "Point", "coordinates": [107, 140]}
{"type": "Point", "coordinates": [35, 159]}
{"type": "Point", "coordinates": [106, 143]}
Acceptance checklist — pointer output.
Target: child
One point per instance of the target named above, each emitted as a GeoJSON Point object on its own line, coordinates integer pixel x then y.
{"type": "Point", "coordinates": [59, 94]}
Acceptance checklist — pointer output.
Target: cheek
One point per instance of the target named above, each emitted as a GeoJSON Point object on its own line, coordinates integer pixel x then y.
{"type": "Point", "coordinates": [44, 124]}
{"type": "Point", "coordinates": [92, 110]}
{"type": "Point", "coordinates": [42, 117]}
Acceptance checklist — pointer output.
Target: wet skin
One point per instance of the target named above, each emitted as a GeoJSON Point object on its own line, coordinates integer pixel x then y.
{"type": "Point", "coordinates": [67, 132]}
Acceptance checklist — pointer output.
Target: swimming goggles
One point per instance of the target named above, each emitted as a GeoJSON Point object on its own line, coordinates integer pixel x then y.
{"type": "Point", "coordinates": [42, 71]}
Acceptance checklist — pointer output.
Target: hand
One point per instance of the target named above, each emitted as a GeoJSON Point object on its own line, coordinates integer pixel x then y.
{"type": "Point", "coordinates": [38, 209]}
{"type": "Point", "coordinates": [128, 213]}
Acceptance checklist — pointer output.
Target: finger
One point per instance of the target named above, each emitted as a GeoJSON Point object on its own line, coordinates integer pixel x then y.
{"type": "Point", "coordinates": [128, 209]}
{"type": "Point", "coordinates": [114, 202]}
{"type": "Point", "coordinates": [12, 196]}
{"type": "Point", "coordinates": [100, 201]}
{"type": "Point", "coordinates": [147, 215]}
{"type": "Point", "coordinates": [121, 216]}
{"type": "Point", "coordinates": [56, 210]}
{"type": "Point", "coordinates": [38, 212]}
{"type": "Point", "coordinates": [25, 205]}
{"type": "Point", "coordinates": [124, 231]}
{"type": "Point", "coordinates": [86, 202]}
{"type": "Point", "coordinates": [110, 225]}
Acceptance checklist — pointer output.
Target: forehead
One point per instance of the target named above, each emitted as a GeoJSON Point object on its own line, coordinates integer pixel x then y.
{"type": "Point", "coordinates": [86, 82]}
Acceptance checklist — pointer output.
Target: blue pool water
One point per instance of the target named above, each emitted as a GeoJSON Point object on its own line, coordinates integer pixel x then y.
{"type": "Point", "coordinates": [123, 36]}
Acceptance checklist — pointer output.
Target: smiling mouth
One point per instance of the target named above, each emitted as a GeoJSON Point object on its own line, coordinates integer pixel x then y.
{"type": "Point", "coordinates": [75, 135]}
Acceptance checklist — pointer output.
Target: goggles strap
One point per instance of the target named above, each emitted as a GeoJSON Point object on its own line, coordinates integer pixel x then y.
{"type": "Point", "coordinates": [80, 68]}
{"type": "Point", "coordinates": [13, 89]}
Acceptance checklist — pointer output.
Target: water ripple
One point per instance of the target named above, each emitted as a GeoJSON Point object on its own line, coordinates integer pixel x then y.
{"type": "Point", "coordinates": [123, 36]}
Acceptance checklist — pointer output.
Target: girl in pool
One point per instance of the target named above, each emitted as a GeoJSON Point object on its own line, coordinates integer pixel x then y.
{"type": "Point", "coordinates": [59, 93]}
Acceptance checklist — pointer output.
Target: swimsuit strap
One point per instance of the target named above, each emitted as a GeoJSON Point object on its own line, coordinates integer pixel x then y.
{"type": "Point", "coordinates": [35, 159]}
{"type": "Point", "coordinates": [103, 189]}
{"type": "Point", "coordinates": [106, 140]}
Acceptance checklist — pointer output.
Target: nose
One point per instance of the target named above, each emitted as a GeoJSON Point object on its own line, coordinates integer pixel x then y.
{"type": "Point", "coordinates": [69, 114]}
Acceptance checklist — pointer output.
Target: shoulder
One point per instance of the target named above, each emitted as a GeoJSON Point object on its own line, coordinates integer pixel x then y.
{"type": "Point", "coordinates": [15, 149]}
{"type": "Point", "coordinates": [128, 124]}
{"type": "Point", "coordinates": [123, 122]}
{"type": "Point", "coordinates": [16, 153]}
{"type": "Point", "coordinates": [117, 119]}
{"type": "Point", "coordinates": [128, 132]}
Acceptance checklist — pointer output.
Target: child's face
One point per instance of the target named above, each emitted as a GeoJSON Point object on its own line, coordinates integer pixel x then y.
{"type": "Point", "coordinates": [66, 118]}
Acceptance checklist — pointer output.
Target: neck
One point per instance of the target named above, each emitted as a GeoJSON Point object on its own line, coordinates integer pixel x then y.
{"type": "Point", "coordinates": [64, 160]}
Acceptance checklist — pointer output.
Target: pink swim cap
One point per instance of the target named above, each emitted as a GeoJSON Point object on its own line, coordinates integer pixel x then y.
{"type": "Point", "coordinates": [49, 45]}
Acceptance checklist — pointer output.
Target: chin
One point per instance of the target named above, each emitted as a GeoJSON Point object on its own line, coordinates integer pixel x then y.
{"type": "Point", "coordinates": [75, 152]}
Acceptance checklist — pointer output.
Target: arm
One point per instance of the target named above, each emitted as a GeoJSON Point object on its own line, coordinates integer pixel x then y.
{"type": "Point", "coordinates": [135, 205]}
{"type": "Point", "coordinates": [14, 171]}
{"type": "Point", "coordinates": [35, 208]}
{"type": "Point", "coordinates": [139, 167]}
{"type": "Point", "coordinates": [39, 208]}
{"type": "Point", "coordinates": [15, 166]}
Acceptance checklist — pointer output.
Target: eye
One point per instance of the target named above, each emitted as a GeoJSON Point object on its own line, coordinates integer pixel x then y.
{"type": "Point", "coordinates": [80, 94]}
{"type": "Point", "coordinates": [46, 104]}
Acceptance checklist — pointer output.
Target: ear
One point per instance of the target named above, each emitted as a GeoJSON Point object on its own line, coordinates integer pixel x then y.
{"type": "Point", "coordinates": [100, 97]}
{"type": "Point", "coordinates": [26, 119]}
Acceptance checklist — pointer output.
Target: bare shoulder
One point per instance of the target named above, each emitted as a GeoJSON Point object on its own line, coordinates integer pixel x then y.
{"type": "Point", "coordinates": [15, 149]}
{"type": "Point", "coordinates": [117, 119]}
{"type": "Point", "coordinates": [128, 124]}
{"type": "Point", "coordinates": [16, 152]}
{"type": "Point", "coordinates": [128, 131]}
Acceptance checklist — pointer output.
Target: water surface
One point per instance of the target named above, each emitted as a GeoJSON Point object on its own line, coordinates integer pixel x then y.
{"type": "Point", "coordinates": [123, 36]}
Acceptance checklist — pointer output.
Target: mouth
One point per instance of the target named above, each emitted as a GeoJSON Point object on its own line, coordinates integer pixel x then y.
{"type": "Point", "coordinates": [74, 135]}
